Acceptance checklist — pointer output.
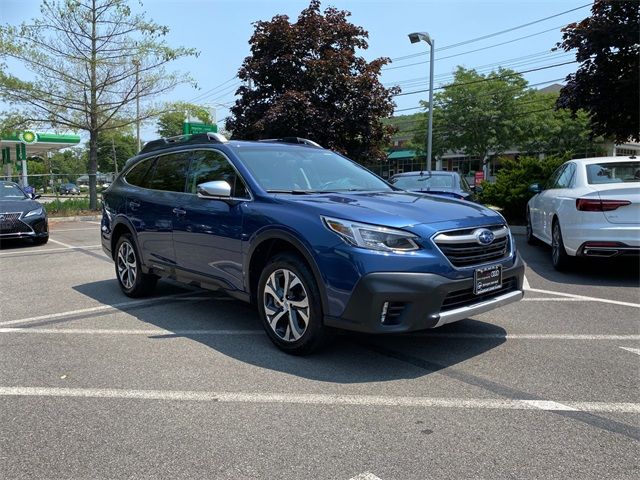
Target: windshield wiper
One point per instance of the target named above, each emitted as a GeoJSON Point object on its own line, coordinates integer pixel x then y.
{"type": "Point", "coordinates": [294, 192]}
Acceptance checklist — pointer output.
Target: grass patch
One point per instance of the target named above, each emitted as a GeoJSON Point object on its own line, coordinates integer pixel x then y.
{"type": "Point", "coordinates": [70, 207]}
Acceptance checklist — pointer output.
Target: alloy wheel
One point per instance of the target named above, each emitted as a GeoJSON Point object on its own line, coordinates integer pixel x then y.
{"type": "Point", "coordinates": [286, 305]}
{"type": "Point", "coordinates": [555, 244]}
{"type": "Point", "coordinates": [127, 265]}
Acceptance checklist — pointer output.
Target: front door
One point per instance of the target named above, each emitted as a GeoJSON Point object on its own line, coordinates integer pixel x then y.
{"type": "Point", "coordinates": [208, 233]}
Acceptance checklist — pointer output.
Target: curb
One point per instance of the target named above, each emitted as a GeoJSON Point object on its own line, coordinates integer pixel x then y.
{"type": "Point", "coordinates": [80, 218]}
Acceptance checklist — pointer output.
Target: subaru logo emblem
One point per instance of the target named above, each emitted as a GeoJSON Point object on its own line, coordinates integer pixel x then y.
{"type": "Point", "coordinates": [484, 236]}
{"type": "Point", "coordinates": [1, 218]}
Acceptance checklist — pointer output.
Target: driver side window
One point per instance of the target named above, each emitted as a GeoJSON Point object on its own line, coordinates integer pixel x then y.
{"type": "Point", "coordinates": [553, 180]}
{"type": "Point", "coordinates": [208, 166]}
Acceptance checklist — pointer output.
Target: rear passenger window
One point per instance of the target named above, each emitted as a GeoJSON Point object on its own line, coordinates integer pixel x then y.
{"type": "Point", "coordinates": [170, 172]}
{"type": "Point", "coordinates": [139, 173]}
{"type": "Point", "coordinates": [209, 165]}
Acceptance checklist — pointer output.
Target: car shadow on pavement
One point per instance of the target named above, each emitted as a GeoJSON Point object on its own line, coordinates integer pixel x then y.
{"type": "Point", "coordinates": [601, 272]}
{"type": "Point", "coordinates": [348, 358]}
{"type": "Point", "coordinates": [15, 243]}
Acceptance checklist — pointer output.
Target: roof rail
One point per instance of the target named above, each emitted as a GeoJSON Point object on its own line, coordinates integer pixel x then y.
{"type": "Point", "coordinates": [168, 142]}
{"type": "Point", "coordinates": [296, 140]}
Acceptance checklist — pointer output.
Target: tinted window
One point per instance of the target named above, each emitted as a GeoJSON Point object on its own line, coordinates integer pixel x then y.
{"type": "Point", "coordinates": [139, 173]}
{"type": "Point", "coordinates": [613, 172]}
{"type": "Point", "coordinates": [566, 177]}
{"type": "Point", "coordinates": [209, 165]}
{"type": "Point", "coordinates": [11, 190]}
{"type": "Point", "coordinates": [170, 172]}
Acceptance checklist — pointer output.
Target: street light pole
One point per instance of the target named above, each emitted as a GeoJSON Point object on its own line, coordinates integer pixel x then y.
{"type": "Point", "coordinates": [415, 38]}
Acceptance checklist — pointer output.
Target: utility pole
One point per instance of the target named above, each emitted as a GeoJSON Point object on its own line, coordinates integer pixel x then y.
{"type": "Point", "coordinates": [136, 62]}
{"type": "Point", "coordinates": [115, 159]}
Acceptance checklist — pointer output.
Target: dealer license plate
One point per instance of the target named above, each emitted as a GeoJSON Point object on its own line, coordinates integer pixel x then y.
{"type": "Point", "coordinates": [487, 279]}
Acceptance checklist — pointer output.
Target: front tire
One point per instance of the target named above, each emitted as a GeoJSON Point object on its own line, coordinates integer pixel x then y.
{"type": "Point", "coordinates": [133, 282]}
{"type": "Point", "coordinates": [40, 240]}
{"type": "Point", "coordinates": [289, 305]}
{"type": "Point", "coordinates": [559, 257]}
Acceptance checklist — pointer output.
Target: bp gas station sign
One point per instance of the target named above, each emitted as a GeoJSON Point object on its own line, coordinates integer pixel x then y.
{"type": "Point", "coordinates": [19, 146]}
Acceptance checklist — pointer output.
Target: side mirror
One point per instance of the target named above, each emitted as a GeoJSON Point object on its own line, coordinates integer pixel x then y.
{"type": "Point", "coordinates": [215, 189]}
{"type": "Point", "coordinates": [535, 188]}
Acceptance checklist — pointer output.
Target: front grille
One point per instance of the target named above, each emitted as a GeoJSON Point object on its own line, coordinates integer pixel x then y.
{"type": "Point", "coordinates": [463, 298]}
{"type": "Point", "coordinates": [463, 250]}
{"type": "Point", "coordinates": [11, 223]}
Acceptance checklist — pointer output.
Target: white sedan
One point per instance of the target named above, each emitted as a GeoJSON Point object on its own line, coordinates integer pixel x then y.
{"type": "Point", "coordinates": [589, 207]}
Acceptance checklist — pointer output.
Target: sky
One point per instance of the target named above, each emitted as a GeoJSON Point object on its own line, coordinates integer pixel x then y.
{"type": "Point", "coordinates": [221, 29]}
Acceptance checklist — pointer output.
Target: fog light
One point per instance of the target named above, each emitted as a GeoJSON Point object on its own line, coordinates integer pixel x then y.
{"type": "Point", "coordinates": [383, 315]}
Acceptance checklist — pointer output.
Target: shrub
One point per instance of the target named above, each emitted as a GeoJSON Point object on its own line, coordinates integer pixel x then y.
{"type": "Point", "coordinates": [71, 206]}
{"type": "Point", "coordinates": [510, 191]}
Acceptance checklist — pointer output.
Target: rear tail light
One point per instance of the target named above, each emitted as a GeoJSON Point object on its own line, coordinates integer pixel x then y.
{"type": "Point", "coordinates": [597, 205]}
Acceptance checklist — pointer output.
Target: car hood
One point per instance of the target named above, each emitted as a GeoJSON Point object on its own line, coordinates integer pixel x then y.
{"type": "Point", "coordinates": [398, 209]}
{"type": "Point", "coordinates": [11, 206]}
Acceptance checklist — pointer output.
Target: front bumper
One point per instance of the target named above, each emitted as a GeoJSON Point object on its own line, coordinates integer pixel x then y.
{"type": "Point", "coordinates": [397, 302]}
{"type": "Point", "coordinates": [14, 226]}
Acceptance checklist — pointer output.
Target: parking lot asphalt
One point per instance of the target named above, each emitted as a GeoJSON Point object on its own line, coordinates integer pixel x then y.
{"type": "Point", "coordinates": [185, 384]}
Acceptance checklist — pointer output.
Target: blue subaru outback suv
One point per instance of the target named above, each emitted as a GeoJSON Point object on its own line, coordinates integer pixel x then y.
{"type": "Point", "coordinates": [313, 239]}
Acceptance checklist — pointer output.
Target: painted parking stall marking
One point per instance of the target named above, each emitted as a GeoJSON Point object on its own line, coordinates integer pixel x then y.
{"type": "Point", "coordinates": [323, 399]}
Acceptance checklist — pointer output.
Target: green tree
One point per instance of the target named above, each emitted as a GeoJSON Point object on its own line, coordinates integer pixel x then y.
{"type": "Point", "coordinates": [551, 130]}
{"type": "Point", "coordinates": [91, 61]}
{"type": "Point", "coordinates": [607, 83]}
{"type": "Point", "coordinates": [308, 81]}
{"type": "Point", "coordinates": [170, 122]}
{"type": "Point", "coordinates": [477, 113]}
{"type": "Point", "coordinates": [115, 147]}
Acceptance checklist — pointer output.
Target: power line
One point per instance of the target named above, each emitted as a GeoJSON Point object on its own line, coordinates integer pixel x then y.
{"type": "Point", "coordinates": [491, 93]}
{"type": "Point", "coordinates": [484, 37]}
{"type": "Point", "coordinates": [488, 79]}
{"type": "Point", "coordinates": [474, 51]}
{"type": "Point", "coordinates": [212, 89]}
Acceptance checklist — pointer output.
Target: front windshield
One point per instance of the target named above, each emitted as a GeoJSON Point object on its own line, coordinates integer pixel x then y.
{"type": "Point", "coordinates": [424, 182]}
{"type": "Point", "coordinates": [11, 190]}
{"type": "Point", "coordinates": [304, 169]}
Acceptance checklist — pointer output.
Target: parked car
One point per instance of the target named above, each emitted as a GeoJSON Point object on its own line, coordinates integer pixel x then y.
{"type": "Point", "coordinates": [69, 189]}
{"type": "Point", "coordinates": [312, 238]}
{"type": "Point", "coordinates": [589, 207]}
{"type": "Point", "coordinates": [21, 216]}
{"type": "Point", "coordinates": [448, 184]}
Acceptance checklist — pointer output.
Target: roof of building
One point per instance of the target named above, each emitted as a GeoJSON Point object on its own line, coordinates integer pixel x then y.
{"type": "Point", "coordinates": [401, 154]}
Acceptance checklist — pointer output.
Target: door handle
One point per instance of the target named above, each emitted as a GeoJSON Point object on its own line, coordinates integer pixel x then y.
{"type": "Point", "coordinates": [134, 205]}
{"type": "Point", "coordinates": [179, 212]}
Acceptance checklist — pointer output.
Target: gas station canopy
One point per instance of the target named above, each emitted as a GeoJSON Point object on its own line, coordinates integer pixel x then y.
{"type": "Point", "coordinates": [37, 143]}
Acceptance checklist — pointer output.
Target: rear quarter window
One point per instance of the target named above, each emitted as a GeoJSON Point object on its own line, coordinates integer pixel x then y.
{"type": "Point", "coordinates": [138, 175]}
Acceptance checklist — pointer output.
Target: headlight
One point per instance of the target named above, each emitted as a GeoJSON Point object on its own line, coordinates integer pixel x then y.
{"type": "Point", "coordinates": [372, 236]}
{"type": "Point", "coordinates": [33, 213]}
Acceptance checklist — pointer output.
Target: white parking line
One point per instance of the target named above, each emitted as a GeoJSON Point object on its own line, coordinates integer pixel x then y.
{"type": "Point", "coordinates": [180, 332]}
{"type": "Point", "coordinates": [56, 230]}
{"type": "Point", "coordinates": [103, 308]}
{"type": "Point", "coordinates": [556, 300]}
{"type": "Point", "coordinates": [60, 243]}
{"type": "Point", "coordinates": [107, 331]}
{"type": "Point", "coordinates": [585, 298]}
{"type": "Point", "coordinates": [365, 476]}
{"type": "Point", "coordinates": [632, 350]}
{"type": "Point", "coordinates": [22, 253]}
{"type": "Point", "coordinates": [322, 399]}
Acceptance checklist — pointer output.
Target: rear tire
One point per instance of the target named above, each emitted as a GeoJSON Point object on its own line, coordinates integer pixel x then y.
{"type": "Point", "coordinates": [290, 306]}
{"type": "Point", "coordinates": [559, 257]}
{"type": "Point", "coordinates": [133, 282]}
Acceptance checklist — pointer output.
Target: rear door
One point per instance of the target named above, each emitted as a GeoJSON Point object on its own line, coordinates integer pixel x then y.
{"type": "Point", "coordinates": [155, 208]}
{"type": "Point", "coordinates": [208, 234]}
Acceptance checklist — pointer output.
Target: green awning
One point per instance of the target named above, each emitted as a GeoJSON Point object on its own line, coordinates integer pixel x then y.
{"type": "Point", "coordinates": [399, 154]}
